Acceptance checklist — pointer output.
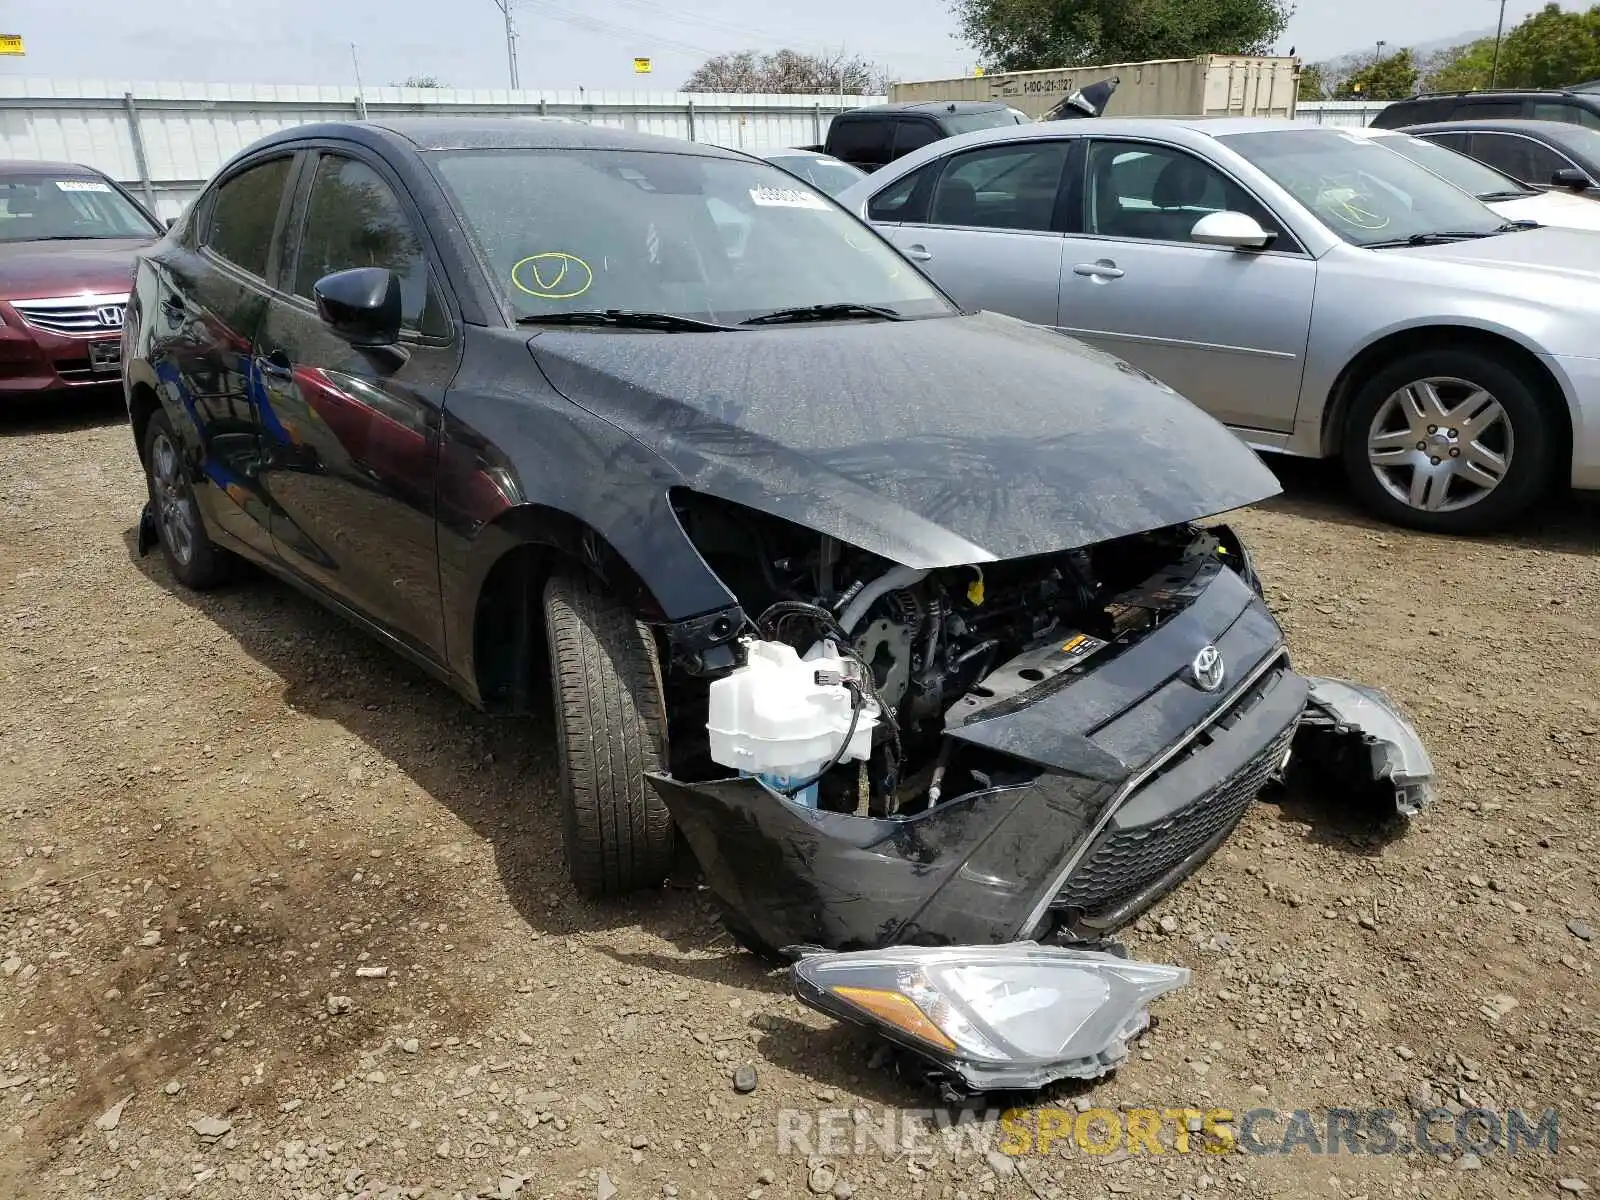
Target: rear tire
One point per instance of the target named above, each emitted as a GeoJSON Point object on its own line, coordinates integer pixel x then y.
{"type": "Point", "coordinates": [1451, 441]}
{"type": "Point", "coordinates": [610, 718]}
{"type": "Point", "coordinates": [193, 558]}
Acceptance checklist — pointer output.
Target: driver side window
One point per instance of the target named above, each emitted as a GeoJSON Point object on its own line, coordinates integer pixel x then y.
{"type": "Point", "coordinates": [1157, 193]}
{"type": "Point", "coordinates": [354, 219]}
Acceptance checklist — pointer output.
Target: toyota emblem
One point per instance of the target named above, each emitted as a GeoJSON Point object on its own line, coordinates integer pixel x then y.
{"type": "Point", "coordinates": [1208, 670]}
{"type": "Point", "coordinates": [110, 316]}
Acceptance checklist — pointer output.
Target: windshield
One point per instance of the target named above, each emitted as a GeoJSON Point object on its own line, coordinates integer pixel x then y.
{"type": "Point", "coordinates": [829, 174]}
{"type": "Point", "coordinates": [1362, 192]}
{"type": "Point", "coordinates": [41, 207]}
{"type": "Point", "coordinates": [714, 239]}
{"type": "Point", "coordinates": [1578, 140]}
{"type": "Point", "coordinates": [1468, 174]}
{"type": "Point", "coordinates": [993, 119]}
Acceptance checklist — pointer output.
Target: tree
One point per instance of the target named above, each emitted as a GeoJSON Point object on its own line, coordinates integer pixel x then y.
{"type": "Point", "coordinates": [1391, 78]}
{"type": "Point", "coordinates": [1023, 35]}
{"type": "Point", "coordinates": [788, 72]}
{"type": "Point", "coordinates": [1552, 48]}
{"type": "Point", "coordinates": [1460, 68]}
{"type": "Point", "coordinates": [423, 81]}
{"type": "Point", "coordinates": [1313, 84]}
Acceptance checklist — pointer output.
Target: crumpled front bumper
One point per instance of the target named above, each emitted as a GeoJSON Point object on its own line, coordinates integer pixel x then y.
{"type": "Point", "coordinates": [1069, 855]}
{"type": "Point", "coordinates": [1028, 862]}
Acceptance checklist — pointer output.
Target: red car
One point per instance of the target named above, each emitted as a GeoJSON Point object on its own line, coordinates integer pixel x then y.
{"type": "Point", "coordinates": [67, 240]}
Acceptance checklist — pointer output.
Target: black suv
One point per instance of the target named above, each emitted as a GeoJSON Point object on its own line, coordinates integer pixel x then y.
{"type": "Point", "coordinates": [1576, 105]}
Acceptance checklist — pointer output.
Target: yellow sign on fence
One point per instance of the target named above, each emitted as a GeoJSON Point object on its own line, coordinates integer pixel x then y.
{"type": "Point", "coordinates": [11, 43]}
{"type": "Point", "coordinates": [641, 66]}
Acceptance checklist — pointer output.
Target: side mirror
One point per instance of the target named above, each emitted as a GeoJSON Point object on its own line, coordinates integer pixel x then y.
{"type": "Point", "coordinates": [1232, 230]}
{"type": "Point", "coordinates": [171, 221]}
{"type": "Point", "coordinates": [361, 305]}
{"type": "Point", "coordinates": [1572, 179]}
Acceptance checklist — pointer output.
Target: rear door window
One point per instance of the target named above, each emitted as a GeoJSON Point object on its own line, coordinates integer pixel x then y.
{"type": "Point", "coordinates": [859, 140]}
{"type": "Point", "coordinates": [1001, 187]}
{"type": "Point", "coordinates": [244, 215]}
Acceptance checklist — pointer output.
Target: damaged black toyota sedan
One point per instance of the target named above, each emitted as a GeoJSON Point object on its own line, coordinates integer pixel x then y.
{"type": "Point", "coordinates": [902, 616]}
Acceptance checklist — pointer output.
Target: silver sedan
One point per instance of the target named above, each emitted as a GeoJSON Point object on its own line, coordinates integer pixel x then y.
{"type": "Point", "coordinates": [1320, 294]}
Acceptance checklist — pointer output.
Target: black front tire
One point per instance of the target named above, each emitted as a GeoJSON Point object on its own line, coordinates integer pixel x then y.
{"type": "Point", "coordinates": [1533, 461]}
{"type": "Point", "coordinates": [193, 558]}
{"type": "Point", "coordinates": [610, 719]}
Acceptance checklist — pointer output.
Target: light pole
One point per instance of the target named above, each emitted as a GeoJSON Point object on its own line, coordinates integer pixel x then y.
{"type": "Point", "coordinates": [1499, 32]}
{"type": "Point", "coordinates": [1379, 58]}
{"type": "Point", "coordinates": [511, 41]}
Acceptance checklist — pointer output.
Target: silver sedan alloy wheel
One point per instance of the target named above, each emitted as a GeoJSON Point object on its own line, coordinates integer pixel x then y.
{"type": "Point", "coordinates": [174, 502]}
{"type": "Point", "coordinates": [1440, 444]}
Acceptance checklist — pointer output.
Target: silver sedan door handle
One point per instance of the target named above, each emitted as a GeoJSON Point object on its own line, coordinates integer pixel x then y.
{"type": "Point", "coordinates": [917, 252]}
{"type": "Point", "coordinates": [1104, 269]}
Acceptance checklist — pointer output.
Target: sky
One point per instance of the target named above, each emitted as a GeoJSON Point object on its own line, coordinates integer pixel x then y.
{"type": "Point", "coordinates": [566, 44]}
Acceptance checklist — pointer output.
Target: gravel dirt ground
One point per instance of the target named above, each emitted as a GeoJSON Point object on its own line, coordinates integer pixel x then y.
{"type": "Point", "coordinates": [222, 814]}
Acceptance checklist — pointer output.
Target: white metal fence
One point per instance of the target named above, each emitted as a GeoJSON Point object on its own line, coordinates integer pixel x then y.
{"type": "Point", "coordinates": [1339, 112]}
{"type": "Point", "coordinates": [163, 140]}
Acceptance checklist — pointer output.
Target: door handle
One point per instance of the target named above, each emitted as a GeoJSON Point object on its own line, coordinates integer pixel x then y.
{"type": "Point", "coordinates": [1104, 269]}
{"type": "Point", "coordinates": [276, 365]}
{"type": "Point", "coordinates": [917, 252]}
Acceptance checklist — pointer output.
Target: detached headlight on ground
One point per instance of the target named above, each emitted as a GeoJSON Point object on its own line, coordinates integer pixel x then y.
{"type": "Point", "coordinates": [994, 1017]}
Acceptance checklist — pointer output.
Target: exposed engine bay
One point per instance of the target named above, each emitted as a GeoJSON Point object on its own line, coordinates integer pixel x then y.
{"type": "Point", "coordinates": [911, 653]}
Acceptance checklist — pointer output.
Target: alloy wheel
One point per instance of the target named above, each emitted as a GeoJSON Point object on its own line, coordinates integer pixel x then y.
{"type": "Point", "coordinates": [174, 501]}
{"type": "Point", "coordinates": [1440, 444]}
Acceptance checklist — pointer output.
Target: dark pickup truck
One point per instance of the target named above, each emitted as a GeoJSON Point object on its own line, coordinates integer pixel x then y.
{"type": "Point", "coordinates": [875, 136]}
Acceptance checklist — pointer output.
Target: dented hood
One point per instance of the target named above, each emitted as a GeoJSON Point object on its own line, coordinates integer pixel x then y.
{"type": "Point", "coordinates": [931, 442]}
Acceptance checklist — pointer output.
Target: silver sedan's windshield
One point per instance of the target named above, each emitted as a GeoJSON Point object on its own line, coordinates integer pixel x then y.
{"type": "Point", "coordinates": [710, 239]}
{"type": "Point", "coordinates": [1365, 194]}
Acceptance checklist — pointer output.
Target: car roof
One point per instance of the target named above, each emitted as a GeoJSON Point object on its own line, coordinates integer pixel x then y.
{"type": "Point", "coordinates": [1490, 93]}
{"type": "Point", "coordinates": [38, 167]}
{"type": "Point", "coordinates": [795, 152]}
{"type": "Point", "coordinates": [934, 106]}
{"type": "Point", "coordinates": [489, 133]}
{"type": "Point", "coordinates": [1187, 130]}
{"type": "Point", "coordinates": [1553, 130]}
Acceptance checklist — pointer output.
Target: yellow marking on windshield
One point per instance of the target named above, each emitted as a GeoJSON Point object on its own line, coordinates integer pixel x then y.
{"type": "Point", "coordinates": [556, 275]}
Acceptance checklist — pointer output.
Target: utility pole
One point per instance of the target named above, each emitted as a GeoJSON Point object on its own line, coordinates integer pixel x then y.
{"type": "Point", "coordinates": [1379, 58]}
{"type": "Point", "coordinates": [361, 99]}
{"type": "Point", "coordinates": [1494, 71]}
{"type": "Point", "coordinates": [511, 41]}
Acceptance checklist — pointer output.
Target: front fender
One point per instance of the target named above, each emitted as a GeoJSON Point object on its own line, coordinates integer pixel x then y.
{"type": "Point", "coordinates": [568, 483]}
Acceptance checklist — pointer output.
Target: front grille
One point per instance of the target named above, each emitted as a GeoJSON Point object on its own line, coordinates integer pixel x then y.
{"type": "Point", "coordinates": [1124, 864]}
{"type": "Point", "coordinates": [79, 316]}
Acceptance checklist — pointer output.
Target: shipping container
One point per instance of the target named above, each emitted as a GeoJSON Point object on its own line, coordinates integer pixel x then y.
{"type": "Point", "coordinates": [1214, 85]}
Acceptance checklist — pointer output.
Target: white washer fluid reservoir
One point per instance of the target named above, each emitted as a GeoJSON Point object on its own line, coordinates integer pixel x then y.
{"type": "Point", "coordinates": [771, 718]}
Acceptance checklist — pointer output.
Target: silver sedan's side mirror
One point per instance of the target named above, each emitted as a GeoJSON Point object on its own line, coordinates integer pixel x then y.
{"type": "Point", "coordinates": [1233, 230]}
